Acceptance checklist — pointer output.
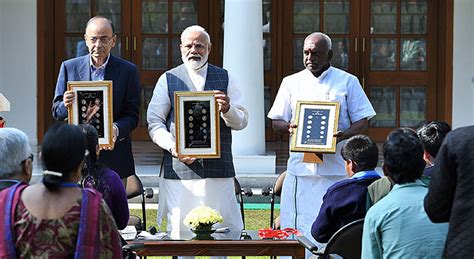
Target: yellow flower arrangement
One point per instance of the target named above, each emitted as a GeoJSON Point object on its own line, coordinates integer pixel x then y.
{"type": "Point", "coordinates": [202, 218]}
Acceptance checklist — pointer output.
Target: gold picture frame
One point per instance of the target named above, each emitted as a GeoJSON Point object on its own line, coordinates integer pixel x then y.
{"type": "Point", "coordinates": [93, 105]}
{"type": "Point", "coordinates": [316, 122]}
{"type": "Point", "coordinates": [197, 124]}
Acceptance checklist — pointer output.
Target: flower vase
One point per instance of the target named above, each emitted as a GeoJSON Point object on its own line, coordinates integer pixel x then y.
{"type": "Point", "coordinates": [203, 232]}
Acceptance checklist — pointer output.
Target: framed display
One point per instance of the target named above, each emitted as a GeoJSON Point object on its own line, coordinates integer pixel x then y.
{"type": "Point", "coordinates": [316, 124]}
{"type": "Point", "coordinates": [93, 105]}
{"type": "Point", "coordinates": [197, 124]}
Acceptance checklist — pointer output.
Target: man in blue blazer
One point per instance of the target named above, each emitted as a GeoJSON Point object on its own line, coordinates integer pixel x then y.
{"type": "Point", "coordinates": [100, 65]}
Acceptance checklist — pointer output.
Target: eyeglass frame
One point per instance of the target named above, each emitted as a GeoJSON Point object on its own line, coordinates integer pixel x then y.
{"type": "Point", "coordinates": [31, 157]}
{"type": "Point", "coordinates": [94, 39]}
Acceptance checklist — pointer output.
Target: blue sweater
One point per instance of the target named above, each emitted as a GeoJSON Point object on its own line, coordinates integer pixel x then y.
{"type": "Point", "coordinates": [344, 202]}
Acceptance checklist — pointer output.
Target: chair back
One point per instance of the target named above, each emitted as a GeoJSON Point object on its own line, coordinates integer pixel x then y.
{"type": "Point", "coordinates": [134, 187]}
{"type": "Point", "coordinates": [276, 192]}
{"type": "Point", "coordinates": [279, 184]}
{"type": "Point", "coordinates": [240, 199]}
{"type": "Point", "coordinates": [347, 241]}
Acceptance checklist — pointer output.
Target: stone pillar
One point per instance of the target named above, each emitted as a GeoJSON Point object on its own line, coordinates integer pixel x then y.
{"type": "Point", "coordinates": [243, 58]}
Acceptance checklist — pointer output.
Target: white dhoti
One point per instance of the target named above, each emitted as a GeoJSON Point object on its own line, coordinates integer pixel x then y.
{"type": "Point", "coordinates": [301, 200]}
{"type": "Point", "coordinates": [178, 197]}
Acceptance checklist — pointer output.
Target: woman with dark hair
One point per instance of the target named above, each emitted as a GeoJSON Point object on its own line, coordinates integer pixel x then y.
{"type": "Point", "coordinates": [55, 218]}
{"type": "Point", "coordinates": [104, 180]}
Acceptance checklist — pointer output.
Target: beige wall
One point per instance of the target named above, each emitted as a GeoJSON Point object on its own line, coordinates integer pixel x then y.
{"type": "Point", "coordinates": [463, 64]}
{"type": "Point", "coordinates": [18, 64]}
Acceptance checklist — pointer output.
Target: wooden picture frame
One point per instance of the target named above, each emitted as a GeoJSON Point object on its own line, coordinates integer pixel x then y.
{"type": "Point", "coordinates": [93, 105]}
{"type": "Point", "coordinates": [316, 122]}
{"type": "Point", "coordinates": [197, 124]}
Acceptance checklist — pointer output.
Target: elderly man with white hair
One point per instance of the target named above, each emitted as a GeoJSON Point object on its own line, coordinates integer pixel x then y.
{"type": "Point", "coordinates": [187, 182]}
{"type": "Point", "coordinates": [16, 159]}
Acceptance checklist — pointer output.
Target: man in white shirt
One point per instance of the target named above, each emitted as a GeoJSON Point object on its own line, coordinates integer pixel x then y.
{"type": "Point", "coordinates": [306, 183]}
{"type": "Point", "coordinates": [187, 182]}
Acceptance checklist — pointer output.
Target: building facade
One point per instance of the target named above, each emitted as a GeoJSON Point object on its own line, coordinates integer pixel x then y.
{"type": "Point", "coordinates": [413, 58]}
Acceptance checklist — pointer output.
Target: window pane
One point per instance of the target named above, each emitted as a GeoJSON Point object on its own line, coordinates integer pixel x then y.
{"type": "Point", "coordinates": [117, 50]}
{"type": "Point", "coordinates": [176, 53]}
{"type": "Point", "coordinates": [267, 96]}
{"type": "Point", "coordinates": [155, 16]}
{"type": "Point", "coordinates": [298, 54]}
{"type": "Point", "coordinates": [146, 94]}
{"type": "Point", "coordinates": [412, 106]}
{"type": "Point", "coordinates": [266, 15]}
{"type": "Point", "coordinates": [154, 53]}
{"type": "Point", "coordinates": [77, 15]}
{"type": "Point", "coordinates": [384, 100]}
{"type": "Point", "coordinates": [75, 47]}
{"type": "Point", "coordinates": [382, 54]}
{"type": "Point", "coordinates": [267, 53]}
{"type": "Point", "coordinates": [336, 16]}
{"type": "Point", "coordinates": [413, 55]}
{"type": "Point", "coordinates": [383, 17]}
{"type": "Point", "coordinates": [111, 9]}
{"type": "Point", "coordinates": [305, 16]}
{"type": "Point", "coordinates": [184, 15]}
{"type": "Point", "coordinates": [414, 17]}
{"type": "Point", "coordinates": [340, 57]}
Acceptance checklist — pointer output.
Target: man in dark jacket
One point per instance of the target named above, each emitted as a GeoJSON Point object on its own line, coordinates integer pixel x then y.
{"type": "Point", "coordinates": [451, 192]}
{"type": "Point", "coordinates": [345, 201]}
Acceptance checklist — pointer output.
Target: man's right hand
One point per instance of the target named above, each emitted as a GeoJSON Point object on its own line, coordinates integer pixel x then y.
{"type": "Point", "coordinates": [185, 159]}
{"type": "Point", "coordinates": [68, 98]}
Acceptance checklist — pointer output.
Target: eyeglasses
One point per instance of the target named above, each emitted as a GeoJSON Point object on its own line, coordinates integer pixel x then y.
{"type": "Point", "coordinates": [104, 40]}
{"type": "Point", "coordinates": [31, 157]}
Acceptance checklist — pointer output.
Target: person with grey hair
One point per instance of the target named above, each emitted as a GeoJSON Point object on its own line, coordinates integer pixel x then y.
{"type": "Point", "coordinates": [306, 182]}
{"type": "Point", "coordinates": [16, 158]}
{"type": "Point", "coordinates": [187, 182]}
{"type": "Point", "coordinates": [98, 65]}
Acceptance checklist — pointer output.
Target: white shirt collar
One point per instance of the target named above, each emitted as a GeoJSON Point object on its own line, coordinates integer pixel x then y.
{"type": "Point", "coordinates": [103, 65]}
{"type": "Point", "coordinates": [198, 76]}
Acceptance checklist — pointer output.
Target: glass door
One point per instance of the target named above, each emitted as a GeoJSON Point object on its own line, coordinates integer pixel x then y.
{"type": "Point", "coordinates": [399, 56]}
{"type": "Point", "coordinates": [156, 26]}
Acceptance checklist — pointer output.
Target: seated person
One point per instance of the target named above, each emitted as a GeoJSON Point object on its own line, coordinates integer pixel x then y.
{"type": "Point", "coordinates": [397, 225]}
{"type": "Point", "coordinates": [378, 189]}
{"type": "Point", "coordinates": [55, 218]}
{"type": "Point", "coordinates": [16, 158]}
{"type": "Point", "coordinates": [432, 135]}
{"type": "Point", "coordinates": [105, 180]}
{"type": "Point", "coordinates": [345, 201]}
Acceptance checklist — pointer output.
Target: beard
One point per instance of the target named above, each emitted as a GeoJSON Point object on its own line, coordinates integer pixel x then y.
{"type": "Point", "coordinates": [195, 64]}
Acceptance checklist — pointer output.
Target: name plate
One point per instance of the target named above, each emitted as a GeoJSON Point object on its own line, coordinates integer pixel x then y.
{"type": "Point", "coordinates": [316, 124]}
{"type": "Point", "coordinates": [197, 124]}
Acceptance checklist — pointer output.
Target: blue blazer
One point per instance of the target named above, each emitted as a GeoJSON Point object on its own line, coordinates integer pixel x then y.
{"type": "Point", "coordinates": [126, 105]}
{"type": "Point", "coordinates": [344, 202]}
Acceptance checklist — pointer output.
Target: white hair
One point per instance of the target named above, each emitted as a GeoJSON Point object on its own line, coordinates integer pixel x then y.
{"type": "Point", "coordinates": [322, 35]}
{"type": "Point", "coordinates": [14, 149]}
{"type": "Point", "coordinates": [195, 28]}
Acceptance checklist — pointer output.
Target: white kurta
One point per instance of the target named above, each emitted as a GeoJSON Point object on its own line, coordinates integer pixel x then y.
{"type": "Point", "coordinates": [178, 197]}
{"type": "Point", "coordinates": [306, 183]}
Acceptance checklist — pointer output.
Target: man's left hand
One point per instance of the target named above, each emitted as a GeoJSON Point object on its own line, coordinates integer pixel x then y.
{"type": "Point", "coordinates": [223, 101]}
{"type": "Point", "coordinates": [114, 138]}
{"type": "Point", "coordinates": [340, 136]}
